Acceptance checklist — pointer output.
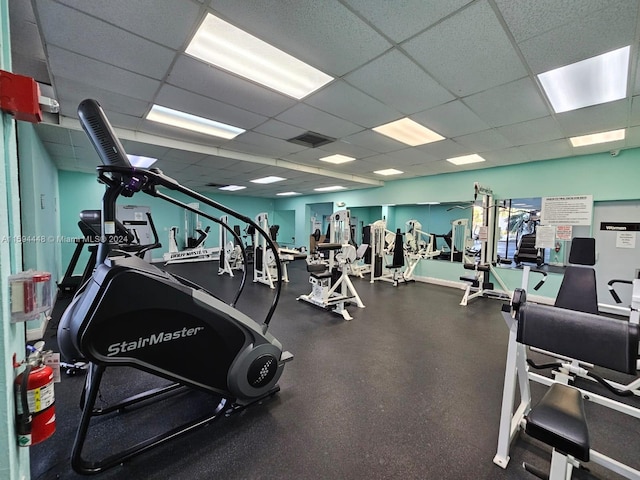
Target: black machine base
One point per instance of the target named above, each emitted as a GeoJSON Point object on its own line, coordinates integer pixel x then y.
{"type": "Point", "coordinates": [224, 408]}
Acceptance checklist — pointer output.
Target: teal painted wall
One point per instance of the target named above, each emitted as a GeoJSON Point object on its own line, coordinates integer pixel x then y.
{"type": "Point", "coordinates": [14, 461]}
{"type": "Point", "coordinates": [39, 207]}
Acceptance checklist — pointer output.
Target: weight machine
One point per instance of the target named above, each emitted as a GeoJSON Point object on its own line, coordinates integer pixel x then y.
{"type": "Point", "coordinates": [328, 269]}
{"type": "Point", "coordinates": [230, 253]}
{"type": "Point", "coordinates": [264, 265]}
{"type": "Point", "coordinates": [386, 243]}
{"type": "Point", "coordinates": [480, 284]}
{"type": "Point", "coordinates": [420, 245]}
{"type": "Point", "coordinates": [195, 249]}
{"type": "Point", "coordinates": [572, 363]}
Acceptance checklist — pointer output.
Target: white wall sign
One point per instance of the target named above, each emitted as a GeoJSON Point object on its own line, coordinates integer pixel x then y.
{"type": "Point", "coordinates": [625, 239]}
{"type": "Point", "coordinates": [546, 236]}
{"type": "Point", "coordinates": [569, 210]}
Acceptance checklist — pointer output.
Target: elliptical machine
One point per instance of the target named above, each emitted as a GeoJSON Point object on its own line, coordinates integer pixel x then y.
{"type": "Point", "coordinates": [132, 314]}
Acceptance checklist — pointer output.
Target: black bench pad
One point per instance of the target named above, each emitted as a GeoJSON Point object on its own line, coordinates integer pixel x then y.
{"type": "Point", "coordinates": [559, 421]}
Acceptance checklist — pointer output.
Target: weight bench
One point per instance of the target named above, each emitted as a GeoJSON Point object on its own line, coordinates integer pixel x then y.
{"type": "Point", "coordinates": [559, 419]}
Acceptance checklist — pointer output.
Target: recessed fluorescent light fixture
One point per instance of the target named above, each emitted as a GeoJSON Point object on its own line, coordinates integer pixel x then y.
{"type": "Point", "coordinates": [428, 203]}
{"type": "Point", "coordinates": [140, 161]}
{"type": "Point", "coordinates": [270, 179]}
{"type": "Point", "coordinates": [226, 46]}
{"type": "Point", "coordinates": [603, 137]}
{"type": "Point", "coordinates": [337, 159]}
{"type": "Point", "coordinates": [466, 159]}
{"type": "Point", "coordinates": [388, 171]}
{"type": "Point", "coordinates": [407, 131]}
{"type": "Point", "coordinates": [592, 81]}
{"type": "Point", "coordinates": [232, 188]}
{"type": "Point", "coordinates": [179, 119]}
{"type": "Point", "coordinates": [287, 194]}
{"type": "Point", "coordinates": [329, 189]}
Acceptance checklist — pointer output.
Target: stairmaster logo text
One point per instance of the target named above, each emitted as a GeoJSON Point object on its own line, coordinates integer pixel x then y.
{"type": "Point", "coordinates": [128, 346]}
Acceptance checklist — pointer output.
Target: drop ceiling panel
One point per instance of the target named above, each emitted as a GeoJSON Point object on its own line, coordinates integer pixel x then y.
{"type": "Point", "coordinates": [510, 103]}
{"type": "Point", "coordinates": [277, 129]}
{"type": "Point", "coordinates": [310, 118]}
{"type": "Point", "coordinates": [399, 83]}
{"type": "Point", "coordinates": [179, 18]}
{"type": "Point", "coordinates": [608, 116]}
{"type": "Point", "coordinates": [92, 73]}
{"type": "Point", "coordinates": [76, 92]}
{"type": "Point", "coordinates": [508, 156]}
{"type": "Point", "coordinates": [185, 101]}
{"type": "Point", "coordinates": [202, 78]}
{"type": "Point", "coordinates": [445, 149]}
{"type": "Point", "coordinates": [314, 32]}
{"type": "Point", "coordinates": [483, 54]}
{"type": "Point", "coordinates": [52, 133]}
{"type": "Point", "coordinates": [88, 36]}
{"type": "Point", "coordinates": [451, 119]}
{"type": "Point", "coordinates": [484, 141]}
{"type": "Point", "coordinates": [547, 150]}
{"type": "Point", "coordinates": [373, 141]}
{"type": "Point", "coordinates": [532, 131]}
{"type": "Point", "coordinates": [263, 145]}
{"type": "Point", "coordinates": [417, 15]}
{"type": "Point", "coordinates": [215, 161]}
{"type": "Point", "coordinates": [342, 100]}
{"type": "Point", "coordinates": [602, 31]}
{"type": "Point", "coordinates": [528, 19]}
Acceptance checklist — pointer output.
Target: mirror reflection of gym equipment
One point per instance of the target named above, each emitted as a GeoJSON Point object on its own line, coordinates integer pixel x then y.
{"type": "Point", "coordinates": [195, 246]}
{"type": "Point", "coordinates": [331, 287]}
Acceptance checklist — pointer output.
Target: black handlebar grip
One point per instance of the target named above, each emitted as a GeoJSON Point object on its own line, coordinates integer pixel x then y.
{"type": "Point", "coordinates": [97, 127]}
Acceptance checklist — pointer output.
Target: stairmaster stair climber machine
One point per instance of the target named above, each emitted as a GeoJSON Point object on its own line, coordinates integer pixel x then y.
{"type": "Point", "coordinates": [132, 314]}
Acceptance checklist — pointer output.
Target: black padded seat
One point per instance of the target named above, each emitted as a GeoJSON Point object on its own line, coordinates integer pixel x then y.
{"type": "Point", "coordinates": [559, 421]}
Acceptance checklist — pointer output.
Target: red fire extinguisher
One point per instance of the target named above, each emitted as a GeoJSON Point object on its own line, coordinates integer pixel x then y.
{"type": "Point", "coordinates": [35, 401]}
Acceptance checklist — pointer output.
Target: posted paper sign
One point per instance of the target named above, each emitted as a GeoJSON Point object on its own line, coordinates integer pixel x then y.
{"type": "Point", "coordinates": [626, 240]}
{"type": "Point", "coordinates": [546, 236]}
{"type": "Point", "coordinates": [569, 210]}
{"type": "Point", "coordinates": [564, 232]}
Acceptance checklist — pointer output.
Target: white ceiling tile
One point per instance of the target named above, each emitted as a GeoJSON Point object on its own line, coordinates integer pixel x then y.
{"type": "Point", "coordinates": [204, 79]}
{"type": "Point", "coordinates": [532, 131]}
{"type": "Point", "coordinates": [373, 141]}
{"type": "Point", "coordinates": [277, 129]}
{"type": "Point", "coordinates": [215, 161]}
{"type": "Point", "coordinates": [312, 119]}
{"type": "Point", "coordinates": [144, 149]}
{"type": "Point", "coordinates": [451, 119]}
{"type": "Point", "coordinates": [342, 100]}
{"type": "Point", "coordinates": [445, 149]}
{"type": "Point", "coordinates": [411, 156]}
{"type": "Point", "coordinates": [143, 17]}
{"type": "Point", "coordinates": [508, 156]}
{"type": "Point", "coordinates": [633, 137]}
{"type": "Point", "coordinates": [180, 156]}
{"type": "Point", "coordinates": [67, 28]}
{"type": "Point", "coordinates": [510, 103]}
{"type": "Point", "coordinates": [344, 148]}
{"type": "Point", "coordinates": [598, 118]}
{"type": "Point", "coordinates": [314, 32]}
{"type": "Point", "coordinates": [484, 141]}
{"type": "Point", "coordinates": [52, 133]}
{"type": "Point", "coordinates": [600, 32]}
{"type": "Point", "coordinates": [416, 16]}
{"type": "Point", "coordinates": [70, 66]}
{"type": "Point", "coordinates": [528, 19]}
{"type": "Point", "coordinates": [469, 51]}
{"type": "Point", "coordinates": [547, 150]}
{"type": "Point", "coordinates": [258, 144]}
{"type": "Point", "coordinates": [398, 82]}
{"type": "Point", "coordinates": [178, 99]}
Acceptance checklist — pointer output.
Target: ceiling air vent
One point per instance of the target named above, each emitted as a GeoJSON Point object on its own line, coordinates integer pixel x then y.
{"type": "Point", "coordinates": [311, 139]}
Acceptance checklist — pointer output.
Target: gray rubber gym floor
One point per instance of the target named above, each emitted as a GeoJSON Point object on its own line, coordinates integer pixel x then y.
{"type": "Point", "coordinates": [409, 389]}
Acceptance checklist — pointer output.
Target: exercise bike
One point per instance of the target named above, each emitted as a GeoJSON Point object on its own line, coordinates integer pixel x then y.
{"type": "Point", "coordinates": [132, 314]}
